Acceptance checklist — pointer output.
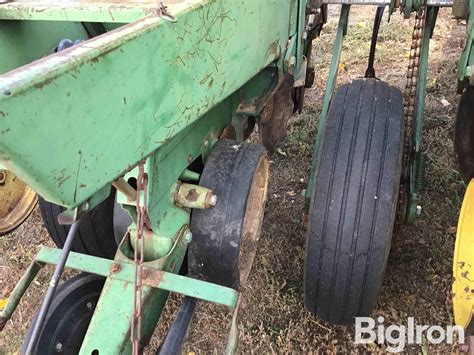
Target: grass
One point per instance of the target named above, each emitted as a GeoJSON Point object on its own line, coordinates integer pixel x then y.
{"type": "Point", "coordinates": [274, 320]}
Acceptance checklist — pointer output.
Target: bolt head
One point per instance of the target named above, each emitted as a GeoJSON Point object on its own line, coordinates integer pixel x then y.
{"type": "Point", "coordinates": [418, 210]}
{"type": "Point", "coordinates": [58, 347]}
{"type": "Point", "coordinates": [3, 176]}
{"type": "Point", "coordinates": [213, 200]}
{"type": "Point", "coordinates": [188, 237]}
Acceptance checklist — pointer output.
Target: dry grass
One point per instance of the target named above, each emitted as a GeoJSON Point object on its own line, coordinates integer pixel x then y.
{"type": "Point", "coordinates": [418, 275]}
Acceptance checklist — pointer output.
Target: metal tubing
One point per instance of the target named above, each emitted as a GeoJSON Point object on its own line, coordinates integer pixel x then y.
{"type": "Point", "coordinates": [190, 175]}
{"type": "Point", "coordinates": [19, 291]}
{"type": "Point", "coordinates": [174, 340]}
{"type": "Point", "coordinates": [53, 285]}
{"type": "Point", "coordinates": [124, 187]}
{"type": "Point", "coordinates": [423, 71]}
{"type": "Point", "coordinates": [370, 72]}
{"type": "Point", "coordinates": [336, 57]}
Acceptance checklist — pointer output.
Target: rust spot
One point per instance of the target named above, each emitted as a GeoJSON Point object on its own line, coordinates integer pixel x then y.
{"type": "Point", "coordinates": [192, 195]}
{"type": "Point", "coordinates": [3, 114]}
{"type": "Point", "coordinates": [152, 277]}
{"type": "Point", "coordinates": [115, 268]}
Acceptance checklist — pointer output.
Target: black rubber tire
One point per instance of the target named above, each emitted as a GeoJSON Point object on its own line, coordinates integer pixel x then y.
{"type": "Point", "coordinates": [96, 232]}
{"type": "Point", "coordinates": [464, 135]}
{"type": "Point", "coordinates": [213, 254]}
{"type": "Point", "coordinates": [354, 201]}
{"type": "Point", "coordinates": [68, 317]}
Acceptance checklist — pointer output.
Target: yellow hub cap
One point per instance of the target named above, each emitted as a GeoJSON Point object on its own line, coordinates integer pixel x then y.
{"type": "Point", "coordinates": [17, 200]}
{"type": "Point", "coordinates": [463, 263]}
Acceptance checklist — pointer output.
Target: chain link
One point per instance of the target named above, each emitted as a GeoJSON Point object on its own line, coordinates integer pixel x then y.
{"type": "Point", "coordinates": [409, 109]}
{"type": "Point", "coordinates": [139, 247]}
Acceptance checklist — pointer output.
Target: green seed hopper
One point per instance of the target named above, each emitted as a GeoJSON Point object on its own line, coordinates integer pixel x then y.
{"type": "Point", "coordinates": [129, 119]}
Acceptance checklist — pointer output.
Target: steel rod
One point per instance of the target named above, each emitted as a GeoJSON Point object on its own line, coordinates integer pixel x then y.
{"type": "Point", "coordinates": [53, 285]}
{"type": "Point", "coordinates": [19, 291]}
{"type": "Point", "coordinates": [124, 187]}
{"type": "Point", "coordinates": [370, 72]}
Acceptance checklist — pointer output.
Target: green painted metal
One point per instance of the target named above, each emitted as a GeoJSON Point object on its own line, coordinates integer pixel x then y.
{"type": "Point", "coordinates": [22, 42]}
{"type": "Point", "coordinates": [19, 291]}
{"type": "Point", "coordinates": [79, 11]}
{"type": "Point", "coordinates": [152, 91]}
{"type": "Point", "coordinates": [182, 74]}
{"type": "Point", "coordinates": [190, 175]}
{"type": "Point", "coordinates": [417, 168]}
{"type": "Point", "coordinates": [331, 84]}
{"type": "Point", "coordinates": [466, 62]}
{"type": "Point", "coordinates": [156, 278]}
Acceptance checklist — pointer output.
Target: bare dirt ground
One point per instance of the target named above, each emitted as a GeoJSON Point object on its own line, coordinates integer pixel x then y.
{"type": "Point", "coordinates": [418, 276]}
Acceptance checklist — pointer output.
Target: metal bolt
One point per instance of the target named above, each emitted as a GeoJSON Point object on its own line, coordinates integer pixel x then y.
{"type": "Point", "coordinates": [59, 347]}
{"type": "Point", "coordinates": [206, 143]}
{"type": "Point", "coordinates": [292, 62]}
{"type": "Point", "coordinates": [213, 200]}
{"type": "Point", "coordinates": [188, 237]}
{"type": "Point", "coordinates": [418, 210]}
{"type": "Point", "coordinates": [90, 305]}
{"type": "Point", "coordinates": [3, 176]}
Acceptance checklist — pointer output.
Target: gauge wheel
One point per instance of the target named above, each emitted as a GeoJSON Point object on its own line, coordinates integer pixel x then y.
{"type": "Point", "coordinates": [225, 236]}
{"type": "Point", "coordinates": [464, 135]}
{"type": "Point", "coordinates": [69, 316]}
{"type": "Point", "coordinates": [95, 236]}
{"type": "Point", "coordinates": [353, 207]}
{"type": "Point", "coordinates": [17, 201]}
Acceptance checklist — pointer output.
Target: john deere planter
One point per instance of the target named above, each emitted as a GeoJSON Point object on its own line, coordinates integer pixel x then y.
{"type": "Point", "coordinates": [134, 116]}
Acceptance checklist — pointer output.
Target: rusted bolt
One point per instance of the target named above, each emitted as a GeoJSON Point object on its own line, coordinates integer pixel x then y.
{"type": "Point", "coordinates": [115, 268]}
{"type": "Point", "coordinates": [3, 176]}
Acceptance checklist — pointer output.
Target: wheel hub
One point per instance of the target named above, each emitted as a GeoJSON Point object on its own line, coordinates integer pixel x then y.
{"type": "Point", "coordinates": [17, 200]}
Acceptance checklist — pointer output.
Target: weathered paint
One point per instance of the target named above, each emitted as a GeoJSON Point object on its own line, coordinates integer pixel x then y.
{"type": "Point", "coordinates": [105, 104]}
{"type": "Point", "coordinates": [79, 11]}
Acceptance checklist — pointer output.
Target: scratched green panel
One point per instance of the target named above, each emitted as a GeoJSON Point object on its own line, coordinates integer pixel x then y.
{"type": "Point", "coordinates": [80, 11]}
{"type": "Point", "coordinates": [90, 112]}
{"type": "Point", "coordinates": [22, 42]}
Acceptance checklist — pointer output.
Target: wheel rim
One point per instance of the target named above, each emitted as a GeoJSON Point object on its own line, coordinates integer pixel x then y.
{"type": "Point", "coordinates": [17, 201]}
{"type": "Point", "coordinates": [253, 218]}
{"type": "Point", "coordinates": [463, 263]}
{"type": "Point", "coordinates": [69, 316]}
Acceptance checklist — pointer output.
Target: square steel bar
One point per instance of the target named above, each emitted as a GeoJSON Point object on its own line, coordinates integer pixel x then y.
{"type": "Point", "coordinates": [202, 290]}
